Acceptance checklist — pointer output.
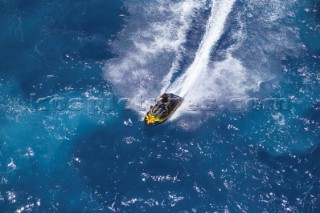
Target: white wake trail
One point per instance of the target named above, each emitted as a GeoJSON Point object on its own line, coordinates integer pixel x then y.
{"type": "Point", "coordinates": [219, 13]}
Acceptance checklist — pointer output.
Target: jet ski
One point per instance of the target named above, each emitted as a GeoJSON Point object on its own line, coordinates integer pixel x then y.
{"type": "Point", "coordinates": [164, 107]}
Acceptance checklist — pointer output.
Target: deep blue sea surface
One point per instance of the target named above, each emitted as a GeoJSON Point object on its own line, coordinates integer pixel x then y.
{"type": "Point", "coordinates": [76, 78]}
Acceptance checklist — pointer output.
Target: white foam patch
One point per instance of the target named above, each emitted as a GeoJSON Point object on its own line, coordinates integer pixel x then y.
{"type": "Point", "coordinates": [227, 79]}
{"type": "Point", "coordinates": [214, 30]}
{"type": "Point", "coordinates": [152, 48]}
{"type": "Point", "coordinates": [221, 82]}
{"type": "Point", "coordinates": [269, 10]}
{"type": "Point", "coordinates": [270, 36]}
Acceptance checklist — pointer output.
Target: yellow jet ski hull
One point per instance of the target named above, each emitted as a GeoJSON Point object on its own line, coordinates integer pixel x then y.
{"type": "Point", "coordinates": [154, 117]}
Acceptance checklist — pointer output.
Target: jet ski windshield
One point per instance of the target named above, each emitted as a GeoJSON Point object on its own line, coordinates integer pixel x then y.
{"type": "Point", "coordinates": [165, 106]}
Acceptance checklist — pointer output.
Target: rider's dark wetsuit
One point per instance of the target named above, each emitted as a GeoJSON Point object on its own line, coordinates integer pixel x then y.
{"type": "Point", "coordinates": [165, 103]}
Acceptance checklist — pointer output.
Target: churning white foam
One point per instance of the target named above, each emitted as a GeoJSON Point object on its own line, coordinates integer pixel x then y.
{"type": "Point", "coordinates": [214, 30]}
{"type": "Point", "coordinates": [154, 44]}
{"type": "Point", "coordinates": [150, 45]}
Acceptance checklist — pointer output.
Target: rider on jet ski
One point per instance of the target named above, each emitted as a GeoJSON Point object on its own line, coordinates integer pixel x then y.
{"type": "Point", "coordinates": [165, 106]}
{"type": "Point", "coordinates": [164, 99]}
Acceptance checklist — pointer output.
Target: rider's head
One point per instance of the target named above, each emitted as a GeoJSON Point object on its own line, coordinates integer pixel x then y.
{"type": "Point", "coordinates": [165, 97]}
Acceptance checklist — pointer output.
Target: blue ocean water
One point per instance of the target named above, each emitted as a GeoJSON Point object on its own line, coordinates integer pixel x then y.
{"type": "Point", "coordinates": [72, 137]}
